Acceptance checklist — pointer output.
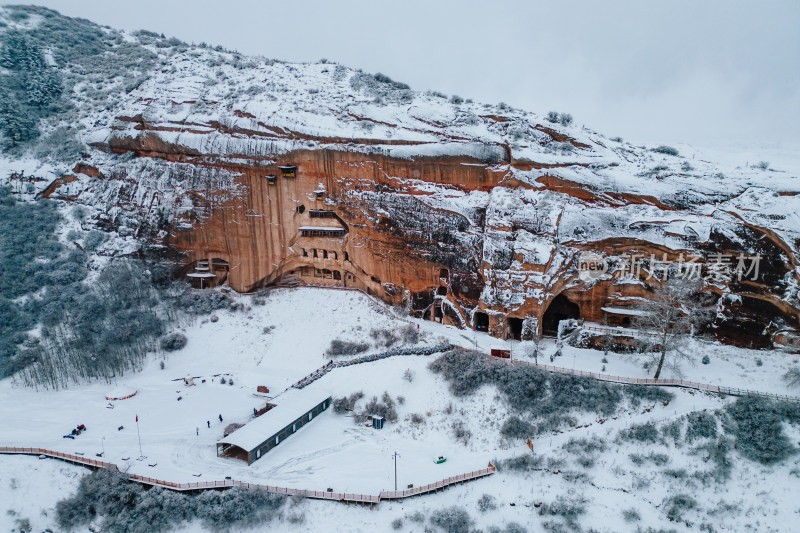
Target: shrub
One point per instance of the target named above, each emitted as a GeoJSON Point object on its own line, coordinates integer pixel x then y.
{"type": "Point", "coordinates": [384, 407]}
{"type": "Point", "coordinates": [516, 428]}
{"type": "Point", "coordinates": [646, 432]}
{"type": "Point", "coordinates": [126, 506]}
{"type": "Point", "coordinates": [173, 342]}
{"type": "Point", "coordinates": [455, 99]}
{"type": "Point", "coordinates": [565, 119]}
{"type": "Point", "coordinates": [701, 425]}
{"type": "Point", "coordinates": [585, 446]}
{"type": "Point", "coordinates": [345, 404]}
{"type": "Point", "coordinates": [408, 375]}
{"type": "Point", "coordinates": [756, 424]}
{"type": "Point", "coordinates": [339, 347]}
{"type": "Point", "coordinates": [663, 149]}
{"type": "Point", "coordinates": [416, 419]}
{"type": "Point", "coordinates": [529, 389]}
{"type": "Point", "coordinates": [569, 508]}
{"type": "Point", "coordinates": [763, 165]}
{"type": "Point", "coordinates": [451, 520]}
{"type": "Point", "coordinates": [552, 116]}
{"type": "Point", "coordinates": [676, 505]}
{"type": "Point", "coordinates": [706, 360]}
{"type": "Point", "coordinates": [759, 362]}
{"type": "Point", "coordinates": [230, 428]}
{"type": "Point", "coordinates": [792, 377]}
{"type": "Point", "coordinates": [631, 515]}
{"type": "Point", "coordinates": [397, 523]}
{"type": "Point", "coordinates": [486, 503]}
{"type": "Point", "coordinates": [460, 433]}
{"type": "Point", "coordinates": [409, 335]}
{"type": "Point", "coordinates": [520, 463]}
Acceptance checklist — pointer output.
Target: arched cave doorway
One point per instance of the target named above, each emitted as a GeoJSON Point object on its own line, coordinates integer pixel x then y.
{"type": "Point", "coordinates": [481, 321]}
{"type": "Point", "coordinates": [514, 328]}
{"type": "Point", "coordinates": [442, 291]}
{"type": "Point", "coordinates": [559, 309]}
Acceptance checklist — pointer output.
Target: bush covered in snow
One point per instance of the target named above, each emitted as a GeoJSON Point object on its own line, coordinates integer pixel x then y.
{"type": "Point", "coordinates": [546, 395]}
{"type": "Point", "coordinates": [516, 428]}
{"type": "Point", "coordinates": [125, 506]}
{"type": "Point", "coordinates": [569, 508]}
{"type": "Point", "coordinates": [702, 425]}
{"type": "Point", "coordinates": [173, 342]}
{"type": "Point", "coordinates": [339, 348]}
{"type": "Point", "coordinates": [486, 503]}
{"type": "Point", "coordinates": [668, 150]}
{"type": "Point", "coordinates": [451, 520]}
{"type": "Point", "coordinates": [757, 425]}
{"type": "Point", "coordinates": [346, 404]}
{"type": "Point", "coordinates": [647, 432]}
{"type": "Point", "coordinates": [792, 377]}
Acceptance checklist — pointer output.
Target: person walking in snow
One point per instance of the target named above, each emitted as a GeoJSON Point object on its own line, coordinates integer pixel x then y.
{"type": "Point", "coordinates": [197, 431]}
{"type": "Point", "coordinates": [220, 418]}
{"type": "Point", "coordinates": [208, 422]}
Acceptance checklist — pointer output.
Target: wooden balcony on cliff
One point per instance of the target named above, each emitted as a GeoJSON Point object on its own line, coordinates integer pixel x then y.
{"type": "Point", "coordinates": [288, 171]}
{"type": "Point", "coordinates": [321, 231]}
{"type": "Point", "coordinates": [321, 213]}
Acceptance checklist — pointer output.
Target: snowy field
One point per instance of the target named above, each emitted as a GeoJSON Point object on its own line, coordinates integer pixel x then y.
{"type": "Point", "coordinates": [280, 342]}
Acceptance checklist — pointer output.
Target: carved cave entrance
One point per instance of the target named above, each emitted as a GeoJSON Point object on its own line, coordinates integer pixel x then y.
{"type": "Point", "coordinates": [481, 321]}
{"type": "Point", "coordinates": [559, 309]}
{"type": "Point", "coordinates": [514, 328]}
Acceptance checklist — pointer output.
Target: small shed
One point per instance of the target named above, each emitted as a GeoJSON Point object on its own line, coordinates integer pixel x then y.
{"type": "Point", "coordinates": [377, 422]}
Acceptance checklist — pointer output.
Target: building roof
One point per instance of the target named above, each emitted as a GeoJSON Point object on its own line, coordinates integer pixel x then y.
{"type": "Point", "coordinates": [321, 228]}
{"type": "Point", "coordinates": [291, 405]}
{"type": "Point", "coordinates": [623, 311]}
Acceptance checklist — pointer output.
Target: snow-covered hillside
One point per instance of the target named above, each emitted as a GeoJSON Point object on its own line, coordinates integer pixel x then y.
{"type": "Point", "coordinates": [277, 343]}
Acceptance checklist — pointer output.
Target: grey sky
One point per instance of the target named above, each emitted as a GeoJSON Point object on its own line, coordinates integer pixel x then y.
{"type": "Point", "coordinates": [647, 70]}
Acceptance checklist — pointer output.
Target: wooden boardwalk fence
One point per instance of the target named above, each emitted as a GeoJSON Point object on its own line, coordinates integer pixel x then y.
{"type": "Point", "coordinates": [348, 497]}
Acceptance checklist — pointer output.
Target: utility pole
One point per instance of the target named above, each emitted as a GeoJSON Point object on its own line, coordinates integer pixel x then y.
{"type": "Point", "coordinates": [141, 455]}
{"type": "Point", "coordinates": [395, 456]}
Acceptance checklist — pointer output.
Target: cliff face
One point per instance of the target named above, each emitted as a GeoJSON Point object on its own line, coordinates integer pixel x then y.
{"type": "Point", "coordinates": [474, 215]}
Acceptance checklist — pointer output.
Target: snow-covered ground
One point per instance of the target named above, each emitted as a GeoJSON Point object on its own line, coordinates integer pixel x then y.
{"type": "Point", "coordinates": [278, 343]}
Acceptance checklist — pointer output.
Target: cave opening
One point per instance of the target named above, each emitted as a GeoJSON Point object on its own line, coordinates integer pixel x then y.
{"type": "Point", "coordinates": [559, 309]}
{"type": "Point", "coordinates": [441, 291]}
{"type": "Point", "coordinates": [514, 328]}
{"type": "Point", "coordinates": [481, 321]}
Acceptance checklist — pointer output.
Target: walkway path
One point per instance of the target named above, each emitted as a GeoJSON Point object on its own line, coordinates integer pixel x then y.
{"type": "Point", "coordinates": [207, 485]}
{"type": "Point", "coordinates": [321, 371]}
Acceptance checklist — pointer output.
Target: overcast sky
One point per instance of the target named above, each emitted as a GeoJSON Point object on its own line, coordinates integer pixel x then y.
{"type": "Point", "coordinates": [647, 70]}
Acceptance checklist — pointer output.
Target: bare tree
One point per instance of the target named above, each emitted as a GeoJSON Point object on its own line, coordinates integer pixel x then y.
{"type": "Point", "coordinates": [676, 310]}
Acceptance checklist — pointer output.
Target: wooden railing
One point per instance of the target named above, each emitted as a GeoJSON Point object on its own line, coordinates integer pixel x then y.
{"type": "Point", "coordinates": [399, 494]}
{"type": "Point", "coordinates": [719, 389]}
{"type": "Point", "coordinates": [209, 485]}
{"type": "Point", "coordinates": [330, 365]}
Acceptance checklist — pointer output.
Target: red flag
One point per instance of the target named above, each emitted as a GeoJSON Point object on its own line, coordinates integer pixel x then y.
{"type": "Point", "coordinates": [137, 418]}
